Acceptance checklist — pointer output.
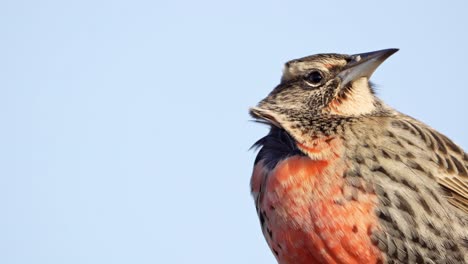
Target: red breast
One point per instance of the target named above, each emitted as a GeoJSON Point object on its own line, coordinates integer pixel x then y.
{"type": "Point", "coordinates": [306, 213]}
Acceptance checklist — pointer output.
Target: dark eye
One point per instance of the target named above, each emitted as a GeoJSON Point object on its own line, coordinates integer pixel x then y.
{"type": "Point", "coordinates": [314, 78]}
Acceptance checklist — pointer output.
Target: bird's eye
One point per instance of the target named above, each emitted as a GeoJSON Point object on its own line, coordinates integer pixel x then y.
{"type": "Point", "coordinates": [314, 78]}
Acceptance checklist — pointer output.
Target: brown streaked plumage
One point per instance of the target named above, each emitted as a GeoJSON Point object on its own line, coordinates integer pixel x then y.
{"type": "Point", "coordinates": [344, 178]}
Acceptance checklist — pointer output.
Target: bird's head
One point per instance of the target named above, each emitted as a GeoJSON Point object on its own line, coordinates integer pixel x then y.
{"type": "Point", "coordinates": [322, 87]}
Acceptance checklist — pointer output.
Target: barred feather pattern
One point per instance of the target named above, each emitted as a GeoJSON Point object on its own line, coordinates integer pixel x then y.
{"type": "Point", "coordinates": [420, 177]}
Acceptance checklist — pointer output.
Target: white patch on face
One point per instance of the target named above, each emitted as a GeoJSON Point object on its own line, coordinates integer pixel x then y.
{"type": "Point", "coordinates": [359, 100]}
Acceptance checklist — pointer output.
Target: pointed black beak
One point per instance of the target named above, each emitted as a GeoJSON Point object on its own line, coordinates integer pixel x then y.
{"type": "Point", "coordinates": [363, 65]}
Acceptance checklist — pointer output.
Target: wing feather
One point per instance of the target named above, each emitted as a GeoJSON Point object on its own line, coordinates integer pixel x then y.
{"type": "Point", "coordinates": [452, 161]}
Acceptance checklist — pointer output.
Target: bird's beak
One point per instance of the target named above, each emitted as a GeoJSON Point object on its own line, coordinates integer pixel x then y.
{"type": "Point", "coordinates": [363, 65]}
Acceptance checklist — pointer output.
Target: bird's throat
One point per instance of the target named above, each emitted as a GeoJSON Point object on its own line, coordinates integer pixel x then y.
{"type": "Point", "coordinates": [354, 101]}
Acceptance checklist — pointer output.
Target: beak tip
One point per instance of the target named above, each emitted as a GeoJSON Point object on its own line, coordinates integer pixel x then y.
{"type": "Point", "coordinates": [380, 54]}
{"type": "Point", "coordinates": [384, 54]}
{"type": "Point", "coordinates": [392, 51]}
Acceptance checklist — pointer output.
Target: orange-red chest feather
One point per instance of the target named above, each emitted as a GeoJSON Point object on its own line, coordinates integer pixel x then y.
{"type": "Point", "coordinates": [306, 214]}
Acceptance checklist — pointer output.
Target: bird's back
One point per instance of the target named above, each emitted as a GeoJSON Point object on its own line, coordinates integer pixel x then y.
{"type": "Point", "coordinates": [418, 175]}
{"type": "Point", "coordinates": [374, 196]}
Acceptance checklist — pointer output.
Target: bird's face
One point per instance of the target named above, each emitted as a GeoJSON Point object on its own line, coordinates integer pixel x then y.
{"type": "Point", "coordinates": [320, 87]}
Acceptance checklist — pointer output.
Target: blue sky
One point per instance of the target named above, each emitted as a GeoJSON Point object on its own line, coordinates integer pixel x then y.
{"type": "Point", "coordinates": [124, 128]}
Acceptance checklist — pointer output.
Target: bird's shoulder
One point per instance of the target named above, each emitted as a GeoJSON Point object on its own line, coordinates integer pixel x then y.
{"type": "Point", "coordinates": [421, 148]}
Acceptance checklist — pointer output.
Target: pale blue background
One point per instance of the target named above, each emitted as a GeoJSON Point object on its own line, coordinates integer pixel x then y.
{"type": "Point", "coordinates": [124, 129]}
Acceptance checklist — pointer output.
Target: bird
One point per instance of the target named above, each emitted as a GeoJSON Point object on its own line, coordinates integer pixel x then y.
{"type": "Point", "coordinates": [342, 177]}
